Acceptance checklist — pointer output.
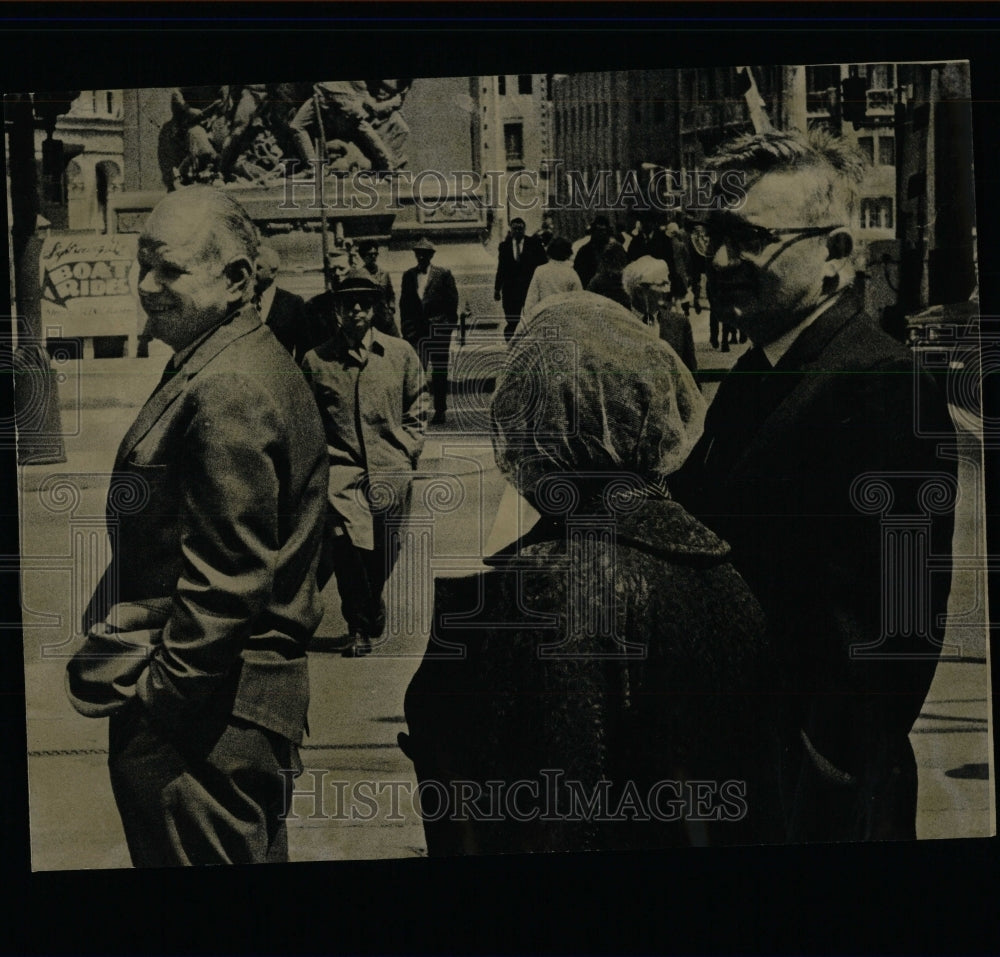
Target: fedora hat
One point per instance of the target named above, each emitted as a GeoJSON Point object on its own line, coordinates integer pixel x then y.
{"type": "Point", "coordinates": [424, 243]}
{"type": "Point", "coordinates": [356, 281]}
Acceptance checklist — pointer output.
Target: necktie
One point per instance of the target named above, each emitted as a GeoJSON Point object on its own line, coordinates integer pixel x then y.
{"type": "Point", "coordinates": [517, 251]}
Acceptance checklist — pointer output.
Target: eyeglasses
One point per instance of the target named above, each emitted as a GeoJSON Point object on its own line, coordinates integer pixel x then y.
{"type": "Point", "coordinates": [747, 239]}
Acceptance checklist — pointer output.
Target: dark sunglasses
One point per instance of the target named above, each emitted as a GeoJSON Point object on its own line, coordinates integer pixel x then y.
{"type": "Point", "coordinates": [364, 299]}
{"type": "Point", "coordinates": [745, 238]}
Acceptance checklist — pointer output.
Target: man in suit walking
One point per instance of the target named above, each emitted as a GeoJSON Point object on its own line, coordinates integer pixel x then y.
{"type": "Point", "coordinates": [219, 544]}
{"type": "Point", "coordinates": [281, 311]}
{"type": "Point", "coordinates": [518, 257]}
{"type": "Point", "coordinates": [428, 313]}
{"type": "Point", "coordinates": [810, 438]}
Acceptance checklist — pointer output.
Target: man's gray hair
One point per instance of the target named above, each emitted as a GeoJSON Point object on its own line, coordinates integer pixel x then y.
{"type": "Point", "coordinates": [782, 151]}
{"type": "Point", "coordinates": [229, 229]}
{"type": "Point", "coordinates": [646, 270]}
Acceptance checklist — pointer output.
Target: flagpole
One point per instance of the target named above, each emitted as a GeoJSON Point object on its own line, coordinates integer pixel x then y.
{"type": "Point", "coordinates": [320, 171]}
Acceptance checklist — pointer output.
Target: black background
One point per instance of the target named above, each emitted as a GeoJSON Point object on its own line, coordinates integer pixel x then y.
{"type": "Point", "coordinates": [931, 897]}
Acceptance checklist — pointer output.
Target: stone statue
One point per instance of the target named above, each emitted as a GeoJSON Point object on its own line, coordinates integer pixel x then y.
{"type": "Point", "coordinates": [248, 132]}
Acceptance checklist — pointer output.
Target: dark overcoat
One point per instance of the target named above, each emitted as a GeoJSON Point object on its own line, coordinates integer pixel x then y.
{"type": "Point", "coordinates": [818, 473]}
{"type": "Point", "coordinates": [630, 652]}
{"type": "Point", "coordinates": [287, 320]}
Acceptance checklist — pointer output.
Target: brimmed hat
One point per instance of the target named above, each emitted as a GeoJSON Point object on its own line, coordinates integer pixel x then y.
{"type": "Point", "coordinates": [356, 281]}
{"type": "Point", "coordinates": [425, 244]}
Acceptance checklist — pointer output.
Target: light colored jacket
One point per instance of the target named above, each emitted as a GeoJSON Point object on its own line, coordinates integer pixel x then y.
{"type": "Point", "coordinates": [549, 279]}
{"type": "Point", "coordinates": [373, 417]}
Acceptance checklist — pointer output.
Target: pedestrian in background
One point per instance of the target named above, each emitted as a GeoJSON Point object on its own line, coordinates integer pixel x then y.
{"type": "Point", "coordinates": [283, 312]}
{"type": "Point", "coordinates": [384, 318]}
{"type": "Point", "coordinates": [372, 395]}
{"type": "Point", "coordinates": [588, 256]}
{"type": "Point", "coordinates": [607, 281]}
{"type": "Point", "coordinates": [517, 259]}
{"type": "Point", "coordinates": [321, 310]}
{"type": "Point", "coordinates": [555, 276]}
{"type": "Point", "coordinates": [647, 285]}
{"type": "Point", "coordinates": [428, 315]}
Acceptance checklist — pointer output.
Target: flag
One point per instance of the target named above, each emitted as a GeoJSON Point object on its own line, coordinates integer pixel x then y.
{"type": "Point", "coordinates": [755, 102]}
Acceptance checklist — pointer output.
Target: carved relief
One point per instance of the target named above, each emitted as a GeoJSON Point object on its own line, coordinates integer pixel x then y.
{"type": "Point", "coordinates": [248, 133]}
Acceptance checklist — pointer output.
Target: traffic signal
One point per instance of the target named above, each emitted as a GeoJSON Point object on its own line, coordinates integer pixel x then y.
{"type": "Point", "coordinates": [854, 100]}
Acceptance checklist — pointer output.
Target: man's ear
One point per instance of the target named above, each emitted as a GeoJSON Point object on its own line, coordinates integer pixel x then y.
{"type": "Point", "coordinates": [239, 275]}
{"type": "Point", "coordinates": [839, 244]}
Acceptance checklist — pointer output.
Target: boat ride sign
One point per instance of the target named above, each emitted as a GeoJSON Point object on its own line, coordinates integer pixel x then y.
{"type": "Point", "coordinates": [85, 285]}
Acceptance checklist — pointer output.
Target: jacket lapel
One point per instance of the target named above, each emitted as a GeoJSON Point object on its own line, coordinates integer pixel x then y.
{"type": "Point", "coordinates": [814, 340]}
{"type": "Point", "coordinates": [244, 321]}
{"type": "Point", "coordinates": [432, 278]}
{"type": "Point", "coordinates": [738, 432]}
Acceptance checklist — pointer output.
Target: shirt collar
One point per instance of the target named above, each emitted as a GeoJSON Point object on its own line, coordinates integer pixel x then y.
{"type": "Point", "coordinates": [777, 349]}
{"type": "Point", "coordinates": [360, 352]}
{"type": "Point", "coordinates": [266, 298]}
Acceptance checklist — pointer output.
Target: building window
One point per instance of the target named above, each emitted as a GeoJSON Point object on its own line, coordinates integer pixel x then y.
{"type": "Point", "coordinates": [524, 84]}
{"type": "Point", "coordinates": [822, 83]}
{"type": "Point", "coordinates": [867, 146]}
{"type": "Point", "coordinates": [513, 141]}
{"type": "Point", "coordinates": [604, 114]}
{"type": "Point", "coordinates": [876, 213]}
{"type": "Point", "coordinates": [887, 151]}
{"type": "Point", "coordinates": [549, 84]}
{"type": "Point", "coordinates": [881, 76]}
{"type": "Point", "coordinates": [558, 122]}
{"type": "Point", "coordinates": [111, 103]}
{"type": "Point", "coordinates": [502, 85]}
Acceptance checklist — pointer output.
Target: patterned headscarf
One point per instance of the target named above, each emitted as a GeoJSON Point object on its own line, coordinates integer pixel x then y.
{"type": "Point", "coordinates": [591, 398]}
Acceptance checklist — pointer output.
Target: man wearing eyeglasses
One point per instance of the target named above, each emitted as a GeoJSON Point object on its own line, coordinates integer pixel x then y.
{"type": "Point", "coordinates": [822, 405]}
{"type": "Point", "coordinates": [372, 395]}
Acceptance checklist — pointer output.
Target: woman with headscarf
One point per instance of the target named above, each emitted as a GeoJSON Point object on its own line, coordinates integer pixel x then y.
{"type": "Point", "coordinates": [599, 685]}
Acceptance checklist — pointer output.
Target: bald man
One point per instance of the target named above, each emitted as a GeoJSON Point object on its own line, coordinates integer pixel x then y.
{"type": "Point", "coordinates": [217, 497]}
